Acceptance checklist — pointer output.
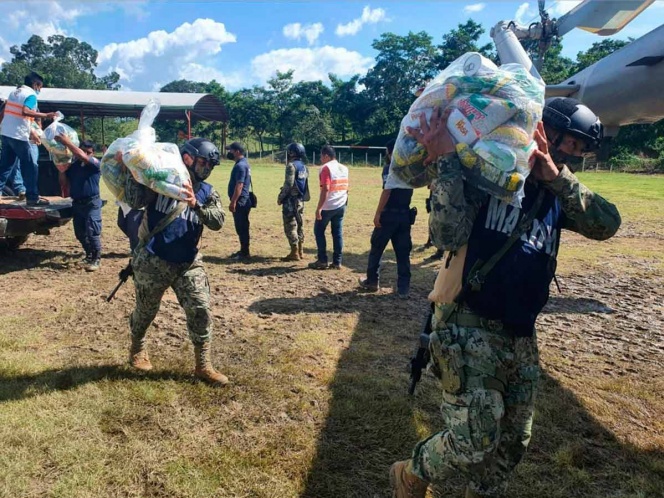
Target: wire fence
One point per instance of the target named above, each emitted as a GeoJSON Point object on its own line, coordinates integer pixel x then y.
{"type": "Point", "coordinates": [348, 155]}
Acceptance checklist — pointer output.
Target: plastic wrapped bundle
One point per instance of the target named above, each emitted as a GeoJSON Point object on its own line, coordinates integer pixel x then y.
{"type": "Point", "coordinates": [60, 155]}
{"type": "Point", "coordinates": [493, 115]}
{"type": "Point", "coordinates": [112, 172]}
{"type": "Point", "coordinates": [158, 166]}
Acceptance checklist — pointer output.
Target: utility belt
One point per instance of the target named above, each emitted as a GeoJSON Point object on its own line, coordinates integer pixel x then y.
{"type": "Point", "coordinates": [448, 355]}
{"type": "Point", "coordinates": [463, 317]}
{"type": "Point", "coordinates": [85, 200]}
{"type": "Point", "coordinates": [396, 210]}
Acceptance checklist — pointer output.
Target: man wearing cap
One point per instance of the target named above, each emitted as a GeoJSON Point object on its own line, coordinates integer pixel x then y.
{"type": "Point", "coordinates": [18, 114]}
{"type": "Point", "coordinates": [238, 193]}
{"type": "Point", "coordinates": [83, 175]}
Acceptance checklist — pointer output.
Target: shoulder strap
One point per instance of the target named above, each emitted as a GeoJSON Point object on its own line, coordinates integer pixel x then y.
{"type": "Point", "coordinates": [481, 269]}
{"type": "Point", "coordinates": [480, 274]}
{"type": "Point", "coordinates": [144, 235]}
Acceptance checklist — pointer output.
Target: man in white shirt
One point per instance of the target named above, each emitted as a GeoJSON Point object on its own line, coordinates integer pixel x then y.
{"type": "Point", "coordinates": [19, 112]}
{"type": "Point", "coordinates": [331, 208]}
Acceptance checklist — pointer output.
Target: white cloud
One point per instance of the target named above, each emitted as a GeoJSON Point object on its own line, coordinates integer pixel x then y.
{"type": "Point", "coordinates": [369, 16]}
{"type": "Point", "coordinates": [525, 14]}
{"type": "Point", "coordinates": [474, 7]}
{"type": "Point", "coordinates": [163, 56]}
{"type": "Point", "coordinates": [296, 31]}
{"type": "Point", "coordinates": [197, 72]}
{"type": "Point", "coordinates": [310, 64]}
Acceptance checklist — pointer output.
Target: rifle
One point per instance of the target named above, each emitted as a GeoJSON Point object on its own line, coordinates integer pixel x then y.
{"type": "Point", "coordinates": [422, 356]}
{"type": "Point", "coordinates": [124, 275]}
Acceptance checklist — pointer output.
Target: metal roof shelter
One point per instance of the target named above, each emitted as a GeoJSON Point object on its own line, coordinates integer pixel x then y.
{"type": "Point", "coordinates": [99, 103]}
{"type": "Point", "coordinates": [190, 107]}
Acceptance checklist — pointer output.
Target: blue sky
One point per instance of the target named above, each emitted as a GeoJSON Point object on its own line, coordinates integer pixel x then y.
{"type": "Point", "coordinates": [241, 44]}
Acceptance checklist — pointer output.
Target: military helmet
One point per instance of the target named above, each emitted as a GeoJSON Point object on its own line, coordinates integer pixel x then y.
{"type": "Point", "coordinates": [571, 116]}
{"type": "Point", "coordinates": [296, 150]}
{"type": "Point", "coordinates": [201, 147]}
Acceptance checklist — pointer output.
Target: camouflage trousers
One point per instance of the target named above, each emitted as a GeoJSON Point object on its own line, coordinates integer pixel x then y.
{"type": "Point", "coordinates": [487, 408]}
{"type": "Point", "coordinates": [152, 276]}
{"type": "Point", "coordinates": [293, 216]}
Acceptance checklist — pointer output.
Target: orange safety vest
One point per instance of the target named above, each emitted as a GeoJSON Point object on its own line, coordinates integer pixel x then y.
{"type": "Point", "coordinates": [14, 123]}
{"type": "Point", "coordinates": [338, 193]}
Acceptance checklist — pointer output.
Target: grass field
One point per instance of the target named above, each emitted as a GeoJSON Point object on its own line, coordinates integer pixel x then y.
{"type": "Point", "coordinates": [318, 404]}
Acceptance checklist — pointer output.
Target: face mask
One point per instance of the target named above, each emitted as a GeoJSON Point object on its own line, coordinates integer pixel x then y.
{"type": "Point", "coordinates": [574, 163]}
{"type": "Point", "coordinates": [202, 170]}
{"type": "Point", "coordinates": [230, 156]}
{"type": "Point", "coordinates": [37, 92]}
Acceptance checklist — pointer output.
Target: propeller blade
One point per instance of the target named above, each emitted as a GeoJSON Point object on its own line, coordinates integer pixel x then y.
{"type": "Point", "coordinates": [601, 17]}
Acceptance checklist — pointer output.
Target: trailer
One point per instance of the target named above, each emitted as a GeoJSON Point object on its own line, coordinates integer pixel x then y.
{"type": "Point", "coordinates": [17, 220]}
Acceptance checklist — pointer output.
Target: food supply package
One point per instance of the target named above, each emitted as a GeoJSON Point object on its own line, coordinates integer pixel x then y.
{"type": "Point", "coordinates": [158, 166]}
{"type": "Point", "coordinates": [60, 155]}
{"type": "Point", "coordinates": [493, 115]}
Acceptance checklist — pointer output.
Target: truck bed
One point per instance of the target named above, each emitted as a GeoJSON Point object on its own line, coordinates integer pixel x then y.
{"type": "Point", "coordinates": [17, 219]}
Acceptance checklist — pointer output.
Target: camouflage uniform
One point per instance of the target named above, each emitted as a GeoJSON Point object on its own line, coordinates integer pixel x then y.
{"type": "Point", "coordinates": [153, 275]}
{"type": "Point", "coordinates": [292, 208]}
{"type": "Point", "coordinates": [489, 374]}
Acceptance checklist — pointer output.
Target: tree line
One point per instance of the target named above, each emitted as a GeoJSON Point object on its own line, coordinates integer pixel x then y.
{"type": "Point", "coordinates": [362, 110]}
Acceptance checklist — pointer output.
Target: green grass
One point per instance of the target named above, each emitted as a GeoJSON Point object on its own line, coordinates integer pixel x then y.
{"type": "Point", "coordinates": [318, 404]}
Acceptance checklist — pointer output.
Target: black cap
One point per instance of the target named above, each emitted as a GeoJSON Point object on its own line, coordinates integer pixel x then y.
{"type": "Point", "coordinates": [236, 146]}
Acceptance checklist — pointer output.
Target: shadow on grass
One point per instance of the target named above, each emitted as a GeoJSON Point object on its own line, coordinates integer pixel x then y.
{"type": "Point", "coordinates": [25, 386]}
{"type": "Point", "coordinates": [269, 271]}
{"type": "Point", "coordinates": [232, 261]}
{"type": "Point", "coordinates": [372, 422]}
{"type": "Point", "coordinates": [116, 255]}
{"type": "Point", "coordinates": [27, 258]}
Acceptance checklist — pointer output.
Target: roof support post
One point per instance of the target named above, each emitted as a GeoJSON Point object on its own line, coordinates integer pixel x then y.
{"type": "Point", "coordinates": [188, 113]}
{"type": "Point", "coordinates": [82, 125]}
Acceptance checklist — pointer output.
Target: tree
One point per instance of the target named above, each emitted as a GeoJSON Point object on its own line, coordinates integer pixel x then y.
{"type": "Point", "coordinates": [280, 95]}
{"type": "Point", "coordinates": [64, 62]}
{"type": "Point", "coordinates": [463, 39]}
{"type": "Point", "coordinates": [403, 64]}
{"type": "Point", "coordinates": [346, 109]}
{"type": "Point", "coordinates": [313, 128]}
{"type": "Point", "coordinates": [596, 52]}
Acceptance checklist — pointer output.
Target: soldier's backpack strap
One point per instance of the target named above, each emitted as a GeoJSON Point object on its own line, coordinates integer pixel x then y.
{"type": "Point", "coordinates": [144, 235]}
{"type": "Point", "coordinates": [481, 269]}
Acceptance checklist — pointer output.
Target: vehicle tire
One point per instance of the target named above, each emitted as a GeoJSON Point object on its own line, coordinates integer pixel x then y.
{"type": "Point", "coordinates": [12, 243]}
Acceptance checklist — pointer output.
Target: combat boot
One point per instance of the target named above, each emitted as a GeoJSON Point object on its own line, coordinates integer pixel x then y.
{"type": "Point", "coordinates": [300, 249]}
{"type": "Point", "coordinates": [404, 483]}
{"type": "Point", "coordinates": [294, 255]}
{"type": "Point", "coordinates": [204, 369]}
{"type": "Point", "coordinates": [138, 355]}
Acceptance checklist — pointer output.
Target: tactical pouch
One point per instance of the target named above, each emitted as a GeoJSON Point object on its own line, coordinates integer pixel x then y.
{"type": "Point", "coordinates": [412, 214]}
{"type": "Point", "coordinates": [448, 361]}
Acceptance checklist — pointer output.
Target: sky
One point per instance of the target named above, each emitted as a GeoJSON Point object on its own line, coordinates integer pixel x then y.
{"type": "Point", "coordinates": [240, 44]}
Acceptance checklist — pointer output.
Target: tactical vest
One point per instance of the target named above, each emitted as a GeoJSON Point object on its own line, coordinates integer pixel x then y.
{"type": "Point", "coordinates": [301, 175]}
{"type": "Point", "coordinates": [178, 242]}
{"type": "Point", "coordinates": [517, 288]}
{"type": "Point", "coordinates": [15, 124]}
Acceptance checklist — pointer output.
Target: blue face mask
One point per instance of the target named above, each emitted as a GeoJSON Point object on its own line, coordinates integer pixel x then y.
{"type": "Point", "coordinates": [37, 92]}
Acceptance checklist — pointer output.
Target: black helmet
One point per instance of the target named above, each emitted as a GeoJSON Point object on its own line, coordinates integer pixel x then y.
{"type": "Point", "coordinates": [571, 116]}
{"type": "Point", "coordinates": [201, 147]}
{"type": "Point", "coordinates": [296, 150]}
